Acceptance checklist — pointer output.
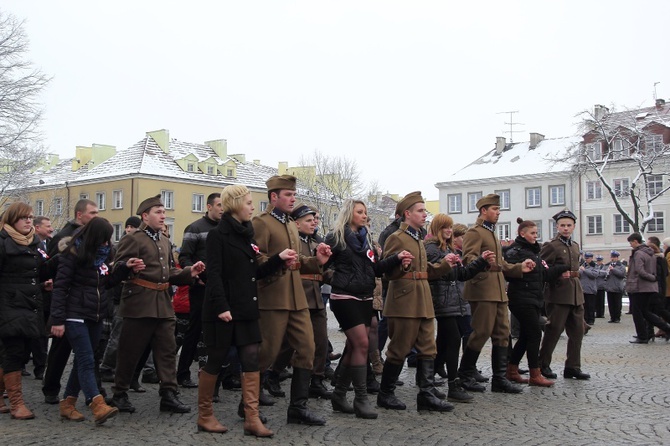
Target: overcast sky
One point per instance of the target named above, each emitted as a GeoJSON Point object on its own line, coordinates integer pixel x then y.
{"type": "Point", "coordinates": [409, 89]}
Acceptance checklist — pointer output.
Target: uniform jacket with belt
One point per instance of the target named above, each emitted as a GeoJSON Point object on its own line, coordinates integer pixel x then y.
{"type": "Point", "coordinates": [138, 301]}
{"type": "Point", "coordinates": [563, 291]}
{"type": "Point", "coordinates": [407, 297]}
{"type": "Point", "coordinates": [282, 290]}
{"type": "Point", "coordinates": [487, 286]}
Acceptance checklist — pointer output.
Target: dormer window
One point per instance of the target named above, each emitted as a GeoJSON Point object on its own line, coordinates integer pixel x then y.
{"type": "Point", "coordinates": [594, 151]}
{"type": "Point", "coordinates": [229, 172]}
{"type": "Point", "coordinates": [210, 170]}
{"type": "Point", "coordinates": [190, 167]}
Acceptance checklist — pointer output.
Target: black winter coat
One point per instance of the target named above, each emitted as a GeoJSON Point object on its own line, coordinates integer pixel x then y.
{"type": "Point", "coordinates": [353, 272]}
{"type": "Point", "coordinates": [232, 264]}
{"type": "Point", "coordinates": [22, 271]}
{"type": "Point", "coordinates": [80, 292]}
{"type": "Point", "coordinates": [447, 291]}
{"type": "Point", "coordinates": [529, 289]}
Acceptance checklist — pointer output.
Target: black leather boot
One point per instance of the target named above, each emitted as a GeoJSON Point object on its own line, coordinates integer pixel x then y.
{"type": "Point", "coordinates": [271, 384]}
{"type": "Point", "coordinates": [575, 373]}
{"type": "Point", "coordinates": [386, 397]}
{"type": "Point", "coordinates": [371, 381]}
{"type": "Point", "coordinates": [362, 407]}
{"type": "Point", "coordinates": [499, 382]}
{"type": "Point", "coordinates": [170, 402]}
{"type": "Point", "coordinates": [318, 389]}
{"type": "Point", "coordinates": [240, 412]}
{"type": "Point", "coordinates": [339, 397]}
{"type": "Point", "coordinates": [298, 412]}
{"type": "Point", "coordinates": [263, 398]}
{"type": "Point", "coordinates": [468, 370]}
{"type": "Point", "coordinates": [458, 393]}
{"type": "Point", "coordinates": [121, 402]}
{"type": "Point", "coordinates": [426, 399]}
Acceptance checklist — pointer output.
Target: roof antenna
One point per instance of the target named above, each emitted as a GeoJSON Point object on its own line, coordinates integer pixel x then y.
{"type": "Point", "coordinates": [511, 124]}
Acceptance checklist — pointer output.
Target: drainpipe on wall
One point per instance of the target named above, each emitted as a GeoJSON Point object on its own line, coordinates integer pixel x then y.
{"type": "Point", "coordinates": [67, 207]}
{"type": "Point", "coordinates": [579, 189]}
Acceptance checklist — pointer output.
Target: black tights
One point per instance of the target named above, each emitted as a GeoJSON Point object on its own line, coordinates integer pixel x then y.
{"type": "Point", "coordinates": [530, 335]}
{"type": "Point", "coordinates": [448, 345]}
{"type": "Point", "coordinates": [216, 358]}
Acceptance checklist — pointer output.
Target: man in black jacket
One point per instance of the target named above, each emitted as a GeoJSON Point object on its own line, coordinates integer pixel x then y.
{"type": "Point", "coordinates": [59, 353]}
{"type": "Point", "coordinates": [193, 249]}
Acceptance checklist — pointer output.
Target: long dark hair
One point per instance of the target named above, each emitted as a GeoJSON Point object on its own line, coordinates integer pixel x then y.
{"type": "Point", "coordinates": [91, 237]}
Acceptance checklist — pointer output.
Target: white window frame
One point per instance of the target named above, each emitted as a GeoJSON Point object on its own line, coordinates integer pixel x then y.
{"type": "Point", "coordinates": [230, 172]}
{"type": "Point", "coordinates": [655, 184]}
{"type": "Point", "coordinates": [39, 208]}
{"type": "Point", "coordinates": [454, 203]}
{"type": "Point", "coordinates": [553, 229]}
{"type": "Point", "coordinates": [118, 232]}
{"type": "Point", "coordinates": [263, 205]}
{"type": "Point", "coordinates": [620, 225]}
{"type": "Point", "coordinates": [536, 197]}
{"type": "Point", "coordinates": [560, 192]}
{"type": "Point", "coordinates": [594, 151]}
{"type": "Point", "coordinates": [653, 144]}
{"type": "Point", "coordinates": [83, 196]}
{"type": "Point", "coordinates": [620, 149]}
{"type": "Point", "coordinates": [657, 224]}
{"type": "Point", "coordinates": [538, 223]}
{"type": "Point", "coordinates": [504, 231]}
{"type": "Point", "coordinates": [101, 200]}
{"type": "Point", "coordinates": [594, 190]}
{"type": "Point", "coordinates": [190, 167]}
{"type": "Point", "coordinates": [210, 169]}
{"type": "Point", "coordinates": [117, 199]}
{"type": "Point", "coordinates": [596, 219]}
{"type": "Point", "coordinates": [58, 206]}
{"type": "Point", "coordinates": [198, 203]}
{"type": "Point", "coordinates": [621, 187]}
{"type": "Point", "coordinates": [169, 224]}
{"type": "Point", "coordinates": [505, 204]}
{"type": "Point", "coordinates": [473, 198]}
{"type": "Point", "coordinates": [167, 198]}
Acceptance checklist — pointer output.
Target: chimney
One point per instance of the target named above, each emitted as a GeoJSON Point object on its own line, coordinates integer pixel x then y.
{"type": "Point", "coordinates": [240, 157]}
{"type": "Point", "coordinates": [500, 144]}
{"type": "Point", "coordinates": [162, 138]}
{"type": "Point", "coordinates": [220, 147]}
{"type": "Point", "coordinates": [660, 103]}
{"type": "Point", "coordinates": [535, 139]}
{"type": "Point", "coordinates": [283, 167]}
{"type": "Point", "coordinates": [257, 162]}
{"type": "Point", "coordinates": [600, 111]}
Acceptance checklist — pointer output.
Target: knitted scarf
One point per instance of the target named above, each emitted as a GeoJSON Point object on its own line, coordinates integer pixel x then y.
{"type": "Point", "coordinates": [20, 239]}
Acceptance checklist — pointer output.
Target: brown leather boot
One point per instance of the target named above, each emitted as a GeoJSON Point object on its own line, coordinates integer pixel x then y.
{"type": "Point", "coordinates": [69, 411]}
{"type": "Point", "coordinates": [17, 408]}
{"type": "Point", "coordinates": [514, 376]}
{"type": "Point", "coordinates": [206, 420]}
{"type": "Point", "coordinates": [251, 387]}
{"type": "Point", "coordinates": [101, 411]}
{"type": "Point", "coordinates": [536, 379]}
{"type": "Point", "coordinates": [3, 407]}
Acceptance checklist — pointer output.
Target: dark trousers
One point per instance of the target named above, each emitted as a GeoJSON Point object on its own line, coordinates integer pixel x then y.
{"type": "Point", "coordinates": [614, 305]}
{"type": "Point", "coordinates": [16, 349]}
{"type": "Point", "coordinates": [59, 354]}
{"type": "Point", "coordinates": [571, 319]}
{"type": "Point", "coordinates": [600, 303]}
{"type": "Point", "coordinates": [137, 334]}
{"type": "Point", "coordinates": [39, 348]}
{"type": "Point", "coordinates": [590, 308]}
{"type": "Point", "coordinates": [189, 348]}
{"type": "Point", "coordinates": [643, 315]}
{"type": "Point", "coordinates": [530, 335]}
{"type": "Point", "coordinates": [448, 344]}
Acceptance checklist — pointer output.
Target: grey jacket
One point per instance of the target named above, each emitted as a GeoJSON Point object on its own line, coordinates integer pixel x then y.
{"type": "Point", "coordinates": [614, 277]}
{"type": "Point", "coordinates": [588, 276]}
{"type": "Point", "coordinates": [642, 271]}
{"type": "Point", "coordinates": [600, 280]}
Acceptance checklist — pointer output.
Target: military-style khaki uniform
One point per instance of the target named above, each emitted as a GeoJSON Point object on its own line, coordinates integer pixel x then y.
{"type": "Point", "coordinates": [281, 297]}
{"type": "Point", "coordinates": [486, 291]}
{"type": "Point", "coordinates": [409, 305]}
{"type": "Point", "coordinates": [564, 300]}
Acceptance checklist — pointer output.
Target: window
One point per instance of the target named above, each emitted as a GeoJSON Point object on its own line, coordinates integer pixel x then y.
{"type": "Point", "coordinates": [39, 207]}
{"type": "Point", "coordinates": [594, 190]}
{"type": "Point", "coordinates": [83, 196]}
{"type": "Point", "coordinates": [504, 199]}
{"type": "Point", "coordinates": [117, 199]}
{"type": "Point", "coordinates": [504, 231]}
{"type": "Point", "coordinates": [167, 197]}
{"type": "Point", "coordinates": [657, 224]}
{"type": "Point", "coordinates": [595, 223]}
{"type": "Point", "coordinates": [533, 197]}
{"type": "Point", "coordinates": [655, 184]}
{"type": "Point", "coordinates": [473, 198]}
{"type": "Point", "coordinates": [621, 226]}
{"type": "Point", "coordinates": [594, 151]}
{"type": "Point", "coordinates": [229, 172]}
{"type": "Point", "coordinates": [118, 232]}
{"type": "Point", "coordinates": [190, 167]}
{"type": "Point", "coordinates": [210, 170]}
{"type": "Point", "coordinates": [58, 206]}
{"type": "Point", "coordinates": [455, 204]}
{"type": "Point", "coordinates": [620, 149]}
{"type": "Point", "coordinates": [552, 228]}
{"type": "Point", "coordinates": [557, 195]}
{"type": "Point", "coordinates": [198, 203]}
{"type": "Point", "coordinates": [264, 206]}
{"type": "Point", "coordinates": [100, 200]}
{"type": "Point", "coordinates": [653, 144]}
{"type": "Point", "coordinates": [539, 229]}
{"type": "Point", "coordinates": [169, 224]}
{"type": "Point", "coordinates": [621, 187]}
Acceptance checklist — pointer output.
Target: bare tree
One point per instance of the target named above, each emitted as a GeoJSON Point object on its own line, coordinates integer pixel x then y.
{"type": "Point", "coordinates": [20, 111]}
{"type": "Point", "coordinates": [630, 142]}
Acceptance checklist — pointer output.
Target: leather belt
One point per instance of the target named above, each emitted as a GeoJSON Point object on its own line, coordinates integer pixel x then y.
{"type": "Point", "coordinates": [415, 275]}
{"type": "Point", "coordinates": [494, 268]}
{"type": "Point", "coordinates": [317, 277]}
{"type": "Point", "coordinates": [294, 267]}
{"type": "Point", "coordinates": [150, 285]}
{"type": "Point", "coordinates": [574, 273]}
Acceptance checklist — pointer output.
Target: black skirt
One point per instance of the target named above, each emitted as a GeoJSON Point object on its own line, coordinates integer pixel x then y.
{"type": "Point", "coordinates": [220, 334]}
{"type": "Point", "coordinates": [351, 312]}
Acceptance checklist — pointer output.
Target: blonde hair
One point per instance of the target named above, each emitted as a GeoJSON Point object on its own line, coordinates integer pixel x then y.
{"type": "Point", "coordinates": [441, 221]}
{"type": "Point", "coordinates": [344, 220]}
{"type": "Point", "coordinates": [232, 197]}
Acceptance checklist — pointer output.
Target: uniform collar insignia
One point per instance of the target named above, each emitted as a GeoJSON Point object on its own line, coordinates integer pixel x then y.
{"type": "Point", "coordinates": [488, 225]}
{"type": "Point", "coordinates": [412, 233]}
{"type": "Point", "coordinates": [155, 235]}
{"type": "Point", "coordinates": [303, 237]}
{"type": "Point", "coordinates": [279, 215]}
{"type": "Point", "coordinates": [565, 241]}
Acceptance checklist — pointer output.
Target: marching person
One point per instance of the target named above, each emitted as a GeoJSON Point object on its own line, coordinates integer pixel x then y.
{"type": "Point", "coordinates": [614, 285]}
{"type": "Point", "coordinates": [409, 309]}
{"type": "Point", "coordinates": [146, 307]}
{"type": "Point", "coordinates": [564, 300]}
{"type": "Point", "coordinates": [284, 310]}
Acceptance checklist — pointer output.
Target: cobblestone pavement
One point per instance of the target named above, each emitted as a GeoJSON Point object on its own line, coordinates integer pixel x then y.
{"type": "Point", "coordinates": [627, 401]}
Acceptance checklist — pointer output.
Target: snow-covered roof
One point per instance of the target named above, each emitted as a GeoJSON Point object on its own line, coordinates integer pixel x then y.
{"type": "Point", "coordinates": [637, 118]}
{"type": "Point", "coordinates": [519, 159]}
